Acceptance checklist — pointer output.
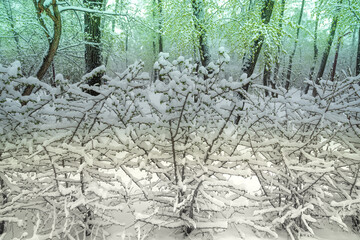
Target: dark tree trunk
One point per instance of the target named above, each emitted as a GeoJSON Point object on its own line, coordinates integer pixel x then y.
{"type": "Point", "coordinates": [335, 61]}
{"type": "Point", "coordinates": [267, 74]}
{"type": "Point", "coordinates": [277, 60]}
{"type": "Point", "coordinates": [316, 53]}
{"type": "Point", "coordinates": [199, 22]}
{"type": "Point", "coordinates": [352, 59]}
{"type": "Point", "coordinates": [250, 61]}
{"type": "Point", "coordinates": [158, 35]}
{"type": "Point", "coordinates": [333, 72]}
{"type": "Point", "coordinates": [161, 49]}
{"type": "Point", "coordinates": [327, 50]}
{"type": "Point", "coordinates": [53, 42]}
{"type": "Point", "coordinates": [125, 27]}
{"type": "Point", "coordinates": [289, 70]}
{"type": "Point", "coordinates": [126, 47]}
{"type": "Point", "coordinates": [92, 31]}
{"type": "Point", "coordinates": [358, 56]}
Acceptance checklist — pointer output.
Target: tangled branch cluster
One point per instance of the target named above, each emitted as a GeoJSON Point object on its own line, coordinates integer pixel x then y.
{"type": "Point", "coordinates": [169, 154]}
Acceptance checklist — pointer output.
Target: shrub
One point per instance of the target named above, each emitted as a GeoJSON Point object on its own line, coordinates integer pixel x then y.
{"type": "Point", "coordinates": [169, 154]}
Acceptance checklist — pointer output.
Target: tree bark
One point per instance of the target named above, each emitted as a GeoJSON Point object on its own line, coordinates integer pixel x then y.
{"type": "Point", "coordinates": [54, 42]}
{"type": "Point", "coordinates": [316, 53]}
{"type": "Point", "coordinates": [333, 72]}
{"type": "Point", "coordinates": [199, 22]}
{"type": "Point", "coordinates": [126, 35]}
{"type": "Point", "coordinates": [277, 60]}
{"type": "Point", "coordinates": [251, 60]}
{"type": "Point", "coordinates": [92, 31]}
{"type": "Point", "coordinates": [327, 49]}
{"type": "Point", "coordinates": [267, 74]}
{"type": "Point", "coordinates": [161, 49]}
{"type": "Point", "coordinates": [158, 36]}
{"type": "Point", "coordinates": [354, 43]}
{"type": "Point", "coordinates": [357, 71]}
{"type": "Point", "coordinates": [289, 70]}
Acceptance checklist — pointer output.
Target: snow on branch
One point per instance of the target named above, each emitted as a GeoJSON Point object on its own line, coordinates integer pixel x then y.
{"type": "Point", "coordinates": [174, 148]}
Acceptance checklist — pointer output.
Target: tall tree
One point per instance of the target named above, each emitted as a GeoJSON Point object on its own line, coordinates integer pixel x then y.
{"type": "Point", "coordinates": [267, 71]}
{"type": "Point", "coordinates": [92, 23]}
{"type": "Point", "coordinates": [277, 60]}
{"type": "Point", "coordinates": [358, 55]}
{"type": "Point", "coordinates": [316, 53]}
{"type": "Point", "coordinates": [9, 13]}
{"type": "Point", "coordinates": [160, 38]}
{"type": "Point", "coordinates": [54, 41]}
{"type": "Point", "coordinates": [158, 14]}
{"type": "Point", "coordinates": [199, 22]}
{"type": "Point", "coordinates": [289, 69]}
{"type": "Point", "coordinates": [357, 17]}
{"type": "Point", "coordinates": [251, 59]}
{"type": "Point", "coordinates": [325, 56]}
{"type": "Point", "coordinates": [333, 71]}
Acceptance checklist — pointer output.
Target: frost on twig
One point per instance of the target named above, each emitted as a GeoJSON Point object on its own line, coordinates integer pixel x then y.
{"type": "Point", "coordinates": [170, 155]}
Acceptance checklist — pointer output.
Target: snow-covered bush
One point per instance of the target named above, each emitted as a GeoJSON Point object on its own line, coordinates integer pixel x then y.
{"type": "Point", "coordinates": [304, 153]}
{"type": "Point", "coordinates": [59, 153]}
{"type": "Point", "coordinates": [191, 147]}
{"type": "Point", "coordinates": [169, 154]}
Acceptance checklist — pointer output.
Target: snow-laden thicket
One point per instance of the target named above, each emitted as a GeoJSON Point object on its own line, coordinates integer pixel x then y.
{"type": "Point", "coordinates": [169, 154]}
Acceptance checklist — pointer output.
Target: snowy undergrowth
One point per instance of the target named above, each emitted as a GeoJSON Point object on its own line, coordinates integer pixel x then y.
{"type": "Point", "coordinates": [141, 156]}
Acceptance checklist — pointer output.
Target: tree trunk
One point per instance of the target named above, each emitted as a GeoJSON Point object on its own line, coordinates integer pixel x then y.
{"type": "Point", "coordinates": [352, 58]}
{"type": "Point", "coordinates": [159, 35]}
{"type": "Point", "coordinates": [126, 47]}
{"type": "Point", "coordinates": [333, 72]}
{"type": "Point", "coordinates": [316, 53]}
{"type": "Point", "coordinates": [357, 71]}
{"type": "Point", "coordinates": [126, 35]}
{"type": "Point", "coordinates": [327, 49]}
{"type": "Point", "coordinates": [277, 60]}
{"type": "Point", "coordinates": [289, 70]}
{"type": "Point", "coordinates": [267, 74]}
{"type": "Point", "coordinates": [54, 42]}
{"type": "Point", "coordinates": [199, 22]}
{"type": "Point", "coordinates": [250, 61]}
{"type": "Point", "coordinates": [267, 71]}
{"type": "Point", "coordinates": [9, 14]}
{"type": "Point", "coordinates": [113, 24]}
{"type": "Point", "coordinates": [92, 31]}
{"type": "Point", "coordinates": [160, 26]}
{"type": "Point", "coordinates": [335, 61]}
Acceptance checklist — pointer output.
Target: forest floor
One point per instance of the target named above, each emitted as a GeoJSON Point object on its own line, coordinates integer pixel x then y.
{"type": "Point", "coordinates": [326, 232]}
{"type": "Point", "coordinates": [323, 230]}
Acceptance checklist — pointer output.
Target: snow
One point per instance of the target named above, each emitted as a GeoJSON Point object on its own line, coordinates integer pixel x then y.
{"type": "Point", "coordinates": [47, 3]}
{"type": "Point", "coordinates": [13, 70]}
{"type": "Point", "coordinates": [95, 71]}
{"type": "Point", "coordinates": [146, 161]}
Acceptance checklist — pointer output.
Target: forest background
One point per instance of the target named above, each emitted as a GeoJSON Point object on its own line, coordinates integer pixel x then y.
{"type": "Point", "coordinates": [290, 40]}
